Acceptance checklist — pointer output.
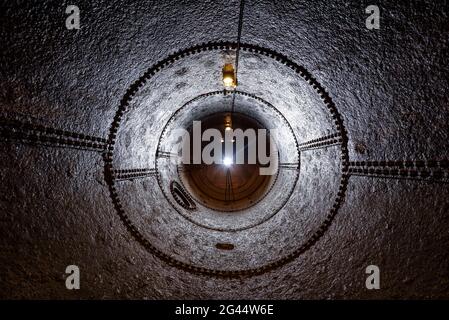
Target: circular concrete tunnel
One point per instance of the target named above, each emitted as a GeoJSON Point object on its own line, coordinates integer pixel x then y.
{"type": "Point", "coordinates": [141, 137]}
{"type": "Point", "coordinates": [89, 152]}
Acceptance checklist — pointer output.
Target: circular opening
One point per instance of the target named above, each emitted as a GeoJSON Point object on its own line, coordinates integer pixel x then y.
{"type": "Point", "coordinates": [235, 181]}
{"type": "Point", "coordinates": [253, 113]}
{"type": "Point", "coordinates": [309, 198]}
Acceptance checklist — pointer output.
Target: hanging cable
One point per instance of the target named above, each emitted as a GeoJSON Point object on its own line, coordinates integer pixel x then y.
{"type": "Point", "coordinates": [229, 191]}
{"type": "Point", "coordinates": [239, 36]}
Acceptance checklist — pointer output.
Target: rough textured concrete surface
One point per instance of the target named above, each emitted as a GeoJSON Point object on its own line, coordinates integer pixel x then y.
{"type": "Point", "coordinates": [362, 132]}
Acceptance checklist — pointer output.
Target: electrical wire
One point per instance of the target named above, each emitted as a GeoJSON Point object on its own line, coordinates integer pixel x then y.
{"type": "Point", "coordinates": [239, 36]}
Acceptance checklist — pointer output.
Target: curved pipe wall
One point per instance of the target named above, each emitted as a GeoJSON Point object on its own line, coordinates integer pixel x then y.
{"type": "Point", "coordinates": [81, 116]}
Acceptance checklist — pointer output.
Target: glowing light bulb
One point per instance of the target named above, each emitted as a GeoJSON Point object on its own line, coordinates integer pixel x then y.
{"type": "Point", "coordinates": [229, 80]}
{"type": "Point", "coordinates": [227, 161]}
{"type": "Point", "coordinates": [228, 122]}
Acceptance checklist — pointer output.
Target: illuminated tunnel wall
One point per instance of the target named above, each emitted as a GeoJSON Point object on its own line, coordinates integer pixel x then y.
{"type": "Point", "coordinates": [85, 171]}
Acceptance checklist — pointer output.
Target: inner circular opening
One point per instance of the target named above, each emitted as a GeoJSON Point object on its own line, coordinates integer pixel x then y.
{"type": "Point", "coordinates": [234, 183]}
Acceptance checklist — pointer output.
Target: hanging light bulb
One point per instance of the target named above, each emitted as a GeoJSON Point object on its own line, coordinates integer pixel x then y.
{"type": "Point", "coordinates": [228, 122]}
{"type": "Point", "coordinates": [227, 161]}
{"type": "Point", "coordinates": [229, 80]}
